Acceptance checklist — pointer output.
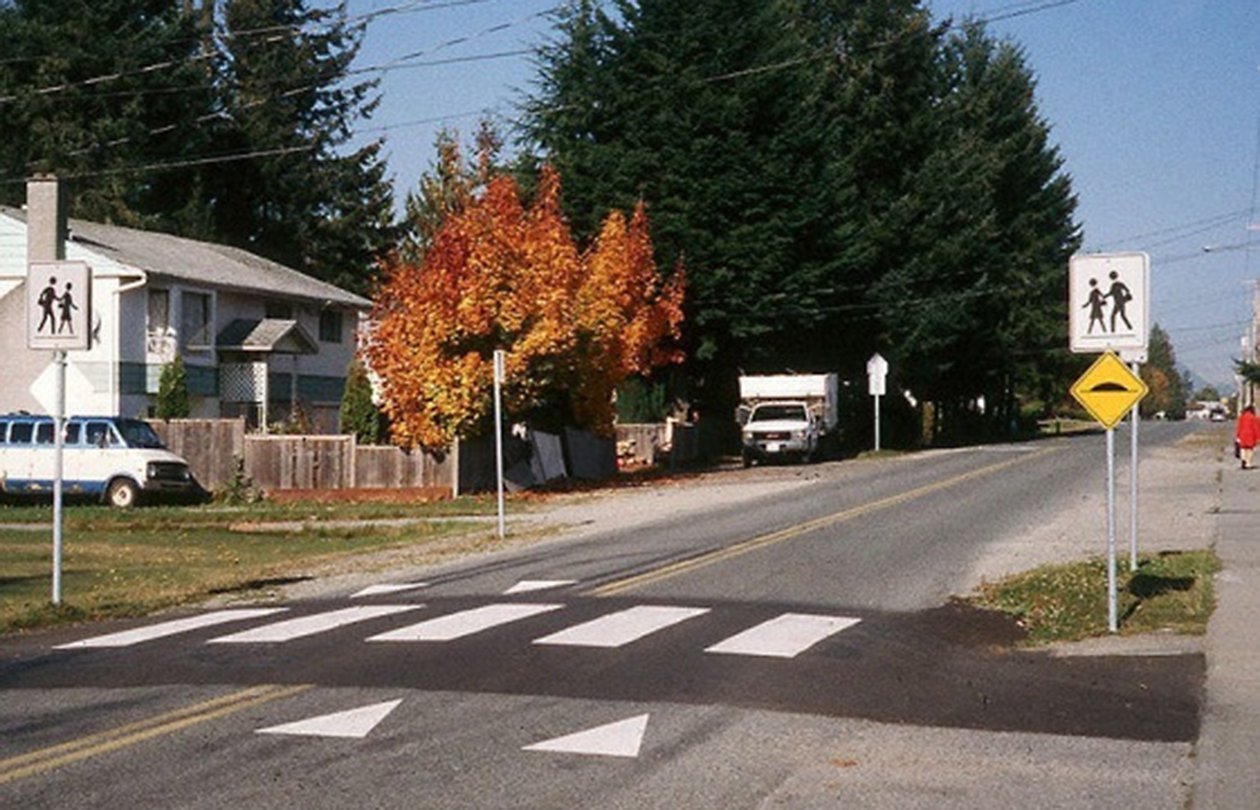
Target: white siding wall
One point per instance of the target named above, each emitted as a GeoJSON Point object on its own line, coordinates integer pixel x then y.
{"type": "Point", "coordinates": [91, 379]}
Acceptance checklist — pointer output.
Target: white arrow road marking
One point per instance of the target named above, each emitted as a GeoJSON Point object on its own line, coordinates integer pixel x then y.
{"type": "Point", "coordinates": [620, 739]}
{"type": "Point", "coordinates": [310, 625]}
{"type": "Point", "coordinates": [527, 585]}
{"type": "Point", "coordinates": [128, 637]}
{"type": "Point", "coordinates": [786, 636]}
{"type": "Point", "coordinates": [377, 590]}
{"type": "Point", "coordinates": [354, 723]}
{"type": "Point", "coordinates": [464, 623]}
{"type": "Point", "coordinates": [622, 627]}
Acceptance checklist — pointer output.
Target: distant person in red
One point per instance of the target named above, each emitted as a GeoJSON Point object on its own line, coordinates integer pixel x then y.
{"type": "Point", "coordinates": [1247, 434]}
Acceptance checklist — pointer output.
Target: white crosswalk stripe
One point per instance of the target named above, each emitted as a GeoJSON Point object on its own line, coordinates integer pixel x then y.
{"type": "Point", "coordinates": [621, 628]}
{"type": "Point", "coordinates": [785, 636]}
{"type": "Point", "coordinates": [155, 631]}
{"type": "Point", "coordinates": [310, 625]}
{"type": "Point", "coordinates": [465, 622]}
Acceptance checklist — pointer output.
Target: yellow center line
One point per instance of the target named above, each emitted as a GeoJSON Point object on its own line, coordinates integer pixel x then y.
{"type": "Point", "coordinates": [46, 759]}
{"type": "Point", "coordinates": [761, 541]}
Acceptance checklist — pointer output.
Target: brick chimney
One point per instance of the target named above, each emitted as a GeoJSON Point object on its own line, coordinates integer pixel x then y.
{"type": "Point", "coordinates": [46, 227]}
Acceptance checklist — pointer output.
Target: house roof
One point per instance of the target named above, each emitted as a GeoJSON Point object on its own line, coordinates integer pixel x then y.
{"type": "Point", "coordinates": [278, 335]}
{"type": "Point", "coordinates": [193, 261]}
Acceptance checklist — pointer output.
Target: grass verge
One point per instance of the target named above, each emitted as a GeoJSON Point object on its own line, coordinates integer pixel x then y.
{"type": "Point", "coordinates": [1171, 592]}
{"type": "Point", "coordinates": [133, 562]}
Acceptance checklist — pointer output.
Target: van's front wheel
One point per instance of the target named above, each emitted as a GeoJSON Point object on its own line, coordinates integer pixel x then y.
{"type": "Point", "coordinates": [122, 493]}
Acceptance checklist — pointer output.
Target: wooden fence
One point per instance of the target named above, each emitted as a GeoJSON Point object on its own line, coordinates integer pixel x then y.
{"type": "Point", "coordinates": [212, 447]}
{"type": "Point", "coordinates": [216, 449]}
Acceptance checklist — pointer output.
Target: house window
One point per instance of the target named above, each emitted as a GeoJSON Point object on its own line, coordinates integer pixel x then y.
{"type": "Point", "coordinates": [279, 309]}
{"type": "Point", "coordinates": [159, 311]}
{"type": "Point", "coordinates": [330, 326]}
{"type": "Point", "coordinates": [194, 331]}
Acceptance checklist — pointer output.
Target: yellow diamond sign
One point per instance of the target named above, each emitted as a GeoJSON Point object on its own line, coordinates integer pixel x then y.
{"type": "Point", "coordinates": [1109, 390]}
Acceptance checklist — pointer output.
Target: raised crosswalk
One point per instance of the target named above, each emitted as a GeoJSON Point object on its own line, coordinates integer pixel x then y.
{"type": "Point", "coordinates": [786, 635]}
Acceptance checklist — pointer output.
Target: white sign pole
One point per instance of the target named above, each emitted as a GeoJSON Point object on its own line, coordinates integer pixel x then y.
{"type": "Point", "coordinates": [498, 433]}
{"type": "Point", "coordinates": [1134, 420]}
{"type": "Point", "coordinates": [1112, 623]}
{"type": "Point", "coordinates": [59, 421]}
{"type": "Point", "coordinates": [877, 423]}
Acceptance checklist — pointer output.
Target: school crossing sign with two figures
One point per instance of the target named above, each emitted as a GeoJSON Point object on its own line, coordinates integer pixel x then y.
{"type": "Point", "coordinates": [1109, 303]}
{"type": "Point", "coordinates": [58, 305]}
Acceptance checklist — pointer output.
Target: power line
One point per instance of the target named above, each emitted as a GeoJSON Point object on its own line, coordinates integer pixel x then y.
{"type": "Point", "coordinates": [402, 62]}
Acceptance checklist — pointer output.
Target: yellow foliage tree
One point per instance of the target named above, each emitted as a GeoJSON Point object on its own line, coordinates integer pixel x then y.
{"type": "Point", "coordinates": [503, 275]}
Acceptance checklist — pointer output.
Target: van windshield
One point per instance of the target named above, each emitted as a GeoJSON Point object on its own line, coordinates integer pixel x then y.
{"type": "Point", "coordinates": [775, 413]}
{"type": "Point", "coordinates": [138, 434]}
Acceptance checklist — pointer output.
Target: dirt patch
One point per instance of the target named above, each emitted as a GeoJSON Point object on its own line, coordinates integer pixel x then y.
{"type": "Point", "coordinates": [399, 495]}
{"type": "Point", "coordinates": [965, 625]}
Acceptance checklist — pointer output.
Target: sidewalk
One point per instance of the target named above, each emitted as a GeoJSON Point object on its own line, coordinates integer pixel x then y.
{"type": "Point", "coordinates": [1227, 757]}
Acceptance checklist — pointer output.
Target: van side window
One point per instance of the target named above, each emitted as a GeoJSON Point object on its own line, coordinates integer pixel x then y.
{"type": "Point", "coordinates": [4, 432]}
{"type": "Point", "coordinates": [20, 433]}
{"type": "Point", "coordinates": [98, 434]}
{"type": "Point", "coordinates": [44, 433]}
{"type": "Point", "coordinates": [71, 435]}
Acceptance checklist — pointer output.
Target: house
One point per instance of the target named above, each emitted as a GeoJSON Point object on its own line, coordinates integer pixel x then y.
{"type": "Point", "coordinates": [256, 337]}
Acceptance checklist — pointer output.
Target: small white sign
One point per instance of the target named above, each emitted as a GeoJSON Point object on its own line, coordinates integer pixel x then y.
{"type": "Point", "coordinates": [58, 305]}
{"type": "Point", "coordinates": [876, 372]}
{"type": "Point", "coordinates": [1109, 303]}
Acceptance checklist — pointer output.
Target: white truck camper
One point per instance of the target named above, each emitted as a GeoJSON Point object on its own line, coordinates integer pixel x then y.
{"type": "Point", "coordinates": [787, 416]}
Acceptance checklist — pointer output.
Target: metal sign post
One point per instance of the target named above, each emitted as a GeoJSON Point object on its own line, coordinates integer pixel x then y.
{"type": "Point", "coordinates": [1112, 611]}
{"type": "Point", "coordinates": [1134, 421]}
{"type": "Point", "coordinates": [1109, 390]}
{"type": "Point", "coordinates": [58, 317]}
{"type": "Point", "coordinates": [59, 446]}
{"type": "Point", "coordinates": [498, 432]}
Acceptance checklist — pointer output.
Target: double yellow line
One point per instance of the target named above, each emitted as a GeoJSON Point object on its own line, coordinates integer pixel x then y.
{"type": "Point", "coordinates": [47, 759]}
{"type": "Point", "coordinates": [761, 541]}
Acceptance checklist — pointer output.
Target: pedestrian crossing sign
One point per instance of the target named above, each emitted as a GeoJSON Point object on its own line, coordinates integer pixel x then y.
{"type": "Point", "coordinates": [1109, 390]}
{"type": "Point", "coordinates": [1109, 303]}
{"type": "Point", "coordinates": [58, 305]}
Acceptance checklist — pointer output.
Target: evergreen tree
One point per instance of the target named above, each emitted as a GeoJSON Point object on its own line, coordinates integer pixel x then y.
{"type": "Point", "coordinates": [172, 396]}
{"type": "Point", "coordinates": [446, 189]}
{"type": "Point", "coordinates": [58, 114]}
{"type": "Point", "coordinates": [300, 201]}
{"type": "Point", "coordinates": [106, 93]}
{"type": "Point", "coordinates": [656, 102]}
{"type": "Point", "coordinates": [973, 305]}
{"type": "Point", "coordinates": [1168, 389]}
{"type": "Point", "coordinates": [359, 415]}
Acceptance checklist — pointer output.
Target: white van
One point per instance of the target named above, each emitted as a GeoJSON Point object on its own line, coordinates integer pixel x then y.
{"type": "Point", "coordinates": [112, 458]}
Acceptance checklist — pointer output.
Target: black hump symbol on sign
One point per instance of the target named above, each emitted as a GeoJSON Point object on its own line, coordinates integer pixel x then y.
{"type": "Point", "coordinates": [1109, 386]}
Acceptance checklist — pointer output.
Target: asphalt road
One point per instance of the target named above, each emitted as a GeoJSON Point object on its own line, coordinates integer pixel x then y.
{"type": "Point", "coordinates": [789, 650]}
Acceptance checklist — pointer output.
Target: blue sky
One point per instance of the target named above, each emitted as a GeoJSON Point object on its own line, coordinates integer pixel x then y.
{"type": "Point", "coordinates": [1154, 104]}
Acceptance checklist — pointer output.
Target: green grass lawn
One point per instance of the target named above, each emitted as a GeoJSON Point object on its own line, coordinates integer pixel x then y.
{"type": "Point", "coordinates": [132, 562]}
{"type": "Point", "coordinates": [1169, 592]}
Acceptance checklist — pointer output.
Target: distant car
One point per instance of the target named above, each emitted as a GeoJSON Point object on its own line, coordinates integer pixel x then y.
{"type": "Point", "coordinates": [1217, 416]}
{"type": "Point", "coordinates": [115, 459]}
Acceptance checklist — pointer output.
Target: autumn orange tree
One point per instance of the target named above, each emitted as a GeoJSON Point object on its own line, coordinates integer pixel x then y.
{"type": "Point", "coordinates": [501, 274]}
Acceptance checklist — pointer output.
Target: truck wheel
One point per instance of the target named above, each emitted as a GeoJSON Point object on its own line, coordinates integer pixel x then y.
{"type": "Point", "coordinates": [122, 493]}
